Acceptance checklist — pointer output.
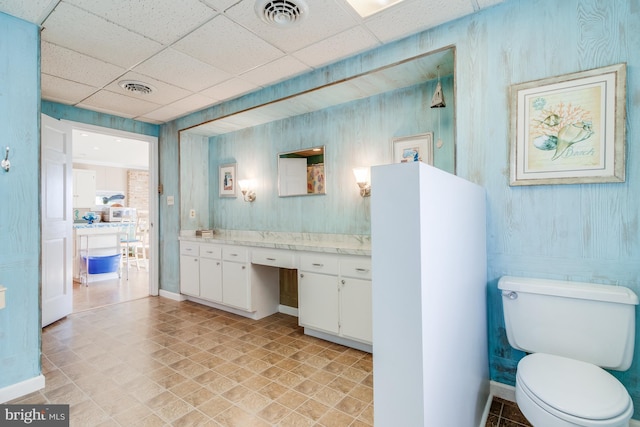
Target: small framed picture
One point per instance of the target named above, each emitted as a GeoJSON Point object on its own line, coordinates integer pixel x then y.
{"type": "Point", "coordinates": [228, 184]}
{"type": "Point", "coordinates": [416, 148]}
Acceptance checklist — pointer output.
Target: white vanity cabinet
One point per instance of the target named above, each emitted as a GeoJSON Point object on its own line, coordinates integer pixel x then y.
{"type": "Point", "coordinates": [355, 299]}
{"type": "Point", "coordinates": [201, 271]}
{"type": "Point", "coordinates": [334, 295]}
{"type": "Point", "coordinates": [211, 272]}
{"type": "Point", "coordinates": [318, 297]}
{"type": "Point", "coordinates": [236, 287]}
{"type": "Point", "coordinates": [223, 277]}
{"type": "Point", "coordinates": [190, 268]}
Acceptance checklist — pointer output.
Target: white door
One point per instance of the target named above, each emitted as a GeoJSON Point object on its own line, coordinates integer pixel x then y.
{"type": "Point", "coordinates": [57, 221]}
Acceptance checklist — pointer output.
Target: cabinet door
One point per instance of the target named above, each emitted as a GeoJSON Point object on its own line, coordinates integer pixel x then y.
{"type": "Point", "coordinates": [318, 303]}
{"type": "Point", "coordinates": [355, 309]}
{"type": "Point", "coordinates": [235, 285]}
{"type": "Point", "coordinates": [190, 275]}
{"type": "Point", "coordinates": [84, 188]}
{"type": "Point", "coordinates": [211, 279]}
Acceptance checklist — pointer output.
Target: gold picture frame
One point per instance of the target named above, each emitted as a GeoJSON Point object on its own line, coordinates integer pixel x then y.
{"type": "Point", "coordinates": [569, 129]}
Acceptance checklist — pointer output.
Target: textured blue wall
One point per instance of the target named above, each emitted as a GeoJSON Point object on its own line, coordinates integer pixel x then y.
{"type": "Point", "coordinates": [20, 201]}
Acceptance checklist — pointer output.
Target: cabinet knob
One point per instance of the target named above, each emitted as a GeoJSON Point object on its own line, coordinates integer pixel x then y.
{"type": "Point", "coordinates": [218, 263]}
{"type": "Point", "coordinates": [342, 281]}
{"type": "Point", "coordinates": [301, 275]}
{"type": "Point", "coordinates": [244, 267]}
{"type": "Point", "coordinates": [195, 259]}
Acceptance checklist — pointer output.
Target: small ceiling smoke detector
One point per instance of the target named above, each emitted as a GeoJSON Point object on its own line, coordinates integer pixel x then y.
{"type": "Point", "coordinates": [281, 13]}
{"type": "Point", "coordinates": [139, 88]}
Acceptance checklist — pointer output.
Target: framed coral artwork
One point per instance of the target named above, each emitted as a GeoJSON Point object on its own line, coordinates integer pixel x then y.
{"type": "Point", "coordinates": [569, 129]}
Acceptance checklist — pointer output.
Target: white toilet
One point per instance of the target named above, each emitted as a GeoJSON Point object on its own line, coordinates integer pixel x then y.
{"type": "Point", "coordinates": [572, 331]}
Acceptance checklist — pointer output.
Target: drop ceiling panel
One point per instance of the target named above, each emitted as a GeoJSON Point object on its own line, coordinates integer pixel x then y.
{"type": "Point", "coordinates": [342, 45]}
{"type": "Point", "coordinates": [227, 46]}
{"type": "Point", "coordinates": [176, 109]}
{"type": "Point", "coordinates": [275, 71]}
{"type": "Point", "coordinates": [64, 91]}
{"type": "Point", "coordinates": [325, 18]}
{"type": "Point", "coordinates": [111, 103]}
{"type": "Point", "coordinates": [86, 33]}
{"type": "Point", "coordinates": [161, 20]}
{"type": "Point", "coordinates": [77, 67]}
{"type": "Point", "coordinates": [412, 16]}
{"type": "Point", "coordinates": [229, 89]}
{"type": "Point", "coordinates": [32, 10]}
{"type": "Point", "coordinates": [179, 69]}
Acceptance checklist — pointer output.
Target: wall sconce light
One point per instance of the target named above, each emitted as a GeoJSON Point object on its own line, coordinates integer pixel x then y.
{"type": "Point", "coordinates": [362, 179]}
{"type": "Point", "coordinates": [246, 188]}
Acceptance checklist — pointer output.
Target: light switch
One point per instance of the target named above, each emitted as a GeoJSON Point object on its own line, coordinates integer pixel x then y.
{"type": "Point", "coordinates": [170, 201]}
{"type": "Point", "coordinates": [2, 301]}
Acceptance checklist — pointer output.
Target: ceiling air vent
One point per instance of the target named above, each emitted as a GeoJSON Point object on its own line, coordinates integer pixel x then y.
{"type": "Point", "coordinates": [136, 87]}
{"type": "Point", "coordinates": [281, 13]}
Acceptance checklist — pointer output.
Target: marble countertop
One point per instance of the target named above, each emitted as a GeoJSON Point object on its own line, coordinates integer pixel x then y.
{"type": "Point", "coordinates": [314, 242]}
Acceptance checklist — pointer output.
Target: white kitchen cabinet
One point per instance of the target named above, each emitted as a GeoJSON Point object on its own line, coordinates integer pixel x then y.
{"type": "Point", "coordinates": [190, 269]}
{"type": "Point", "coordinates": [84, 188]}
{"type": "Point", "coordinates": [334, 295]}
{"type": "Point", "coordinates": [211, 272]}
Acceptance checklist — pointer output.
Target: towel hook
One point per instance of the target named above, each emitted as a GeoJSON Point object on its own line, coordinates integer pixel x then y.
{"type": "Point", "coordinates": [6, 164]}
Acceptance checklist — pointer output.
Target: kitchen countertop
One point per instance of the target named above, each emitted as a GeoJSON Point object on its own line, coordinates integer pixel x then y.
{"type": "Point", "coordinates": [349, 244]}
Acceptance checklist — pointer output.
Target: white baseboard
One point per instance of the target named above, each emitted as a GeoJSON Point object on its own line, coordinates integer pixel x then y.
{"type": "Point", "coordinates": [503, 391]}
{"type": "Point", "coordinates": [285, 309]}
{"type": "Point", "coordinates": [508, 392]}
{"type": "Point", "coordinates": [22, 388]}
{"type": "Point", "coordinates": [172, 295]}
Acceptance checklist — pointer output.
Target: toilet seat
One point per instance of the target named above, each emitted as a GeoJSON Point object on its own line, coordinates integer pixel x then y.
{"type": "Point", "coordinates": [574, 391]}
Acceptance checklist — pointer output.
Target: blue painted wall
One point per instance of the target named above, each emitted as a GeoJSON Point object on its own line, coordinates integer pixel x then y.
{"type": "Point", "coordinates": [20, 200]}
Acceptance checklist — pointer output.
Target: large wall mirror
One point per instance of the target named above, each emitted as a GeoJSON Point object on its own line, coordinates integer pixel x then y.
{"type": "Point", "coordinates": [254, 140]}
{"type": "Point", "coordinates": [302, 172]}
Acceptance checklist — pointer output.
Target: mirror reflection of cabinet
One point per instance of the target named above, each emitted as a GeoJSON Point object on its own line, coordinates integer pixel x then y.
{"type": "Point", "coordinates": [302, 172]}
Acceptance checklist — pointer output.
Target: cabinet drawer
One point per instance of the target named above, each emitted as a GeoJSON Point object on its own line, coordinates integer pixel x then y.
{"type": "Point", "coordinates": [235, 253]}
{"type": "Point", "coordinates": [210, 251]}
{"type": "Point", "coordinates": [274, 258]}
{"type": "Point", "coordinates": [325, 264]}
{"type": "Point", "coordinates": [189, 248]}
{"type": "Point", "coordinates": [358, 267]}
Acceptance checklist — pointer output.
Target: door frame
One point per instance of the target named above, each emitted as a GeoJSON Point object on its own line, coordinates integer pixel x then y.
{"type": "Point", "coordinates": [154, 237]}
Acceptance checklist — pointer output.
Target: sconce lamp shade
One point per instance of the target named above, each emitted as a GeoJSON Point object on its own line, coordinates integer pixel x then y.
{"type": "Point", "coordinates": [362, 179]}
{"type": "Point", "coordinates": [246, 188]}
{"type": "Point", "coordinates": [438, 98]}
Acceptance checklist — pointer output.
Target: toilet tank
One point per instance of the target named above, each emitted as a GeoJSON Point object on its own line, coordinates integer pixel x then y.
{"type": "Point", "coordinates": [583, 321]}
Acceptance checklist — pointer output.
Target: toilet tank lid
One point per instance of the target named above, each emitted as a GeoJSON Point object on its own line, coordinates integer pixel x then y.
{"type": "Point", "coordinates": [582, 290]}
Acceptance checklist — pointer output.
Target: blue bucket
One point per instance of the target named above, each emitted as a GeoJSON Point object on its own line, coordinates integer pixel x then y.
{"type": "Point", "coordinates": [102, 263]}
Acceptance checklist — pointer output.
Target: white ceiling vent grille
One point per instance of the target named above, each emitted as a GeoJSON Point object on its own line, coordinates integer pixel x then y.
{"type": "Point", "coordinates": [281, 13]}
{"type": "Point", "coordinates": [139, 88]}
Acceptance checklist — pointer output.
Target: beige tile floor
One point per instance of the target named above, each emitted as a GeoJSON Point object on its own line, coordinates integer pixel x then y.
{"type": "Point", "coordinates": [157, 362]}
{"type": "Point", "coordinates": [106, 292]}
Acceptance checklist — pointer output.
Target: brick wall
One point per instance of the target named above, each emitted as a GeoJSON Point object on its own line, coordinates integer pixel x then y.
{"type": "Point", "coordinates": [138, 189]}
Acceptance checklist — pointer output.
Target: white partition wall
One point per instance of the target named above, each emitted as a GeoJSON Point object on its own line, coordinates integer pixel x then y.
{"type": "Point", "coordinates": [430, 361]}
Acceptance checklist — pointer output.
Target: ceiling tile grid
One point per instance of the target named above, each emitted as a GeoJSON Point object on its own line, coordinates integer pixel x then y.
{"type": "Point", "coordinates": [200, 52]}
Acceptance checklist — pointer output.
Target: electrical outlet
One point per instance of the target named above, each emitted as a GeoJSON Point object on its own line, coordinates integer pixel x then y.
{"type": "Point", "coordinates": [170, 200]}
{"type": "Point", "coordinates": [192, 213]}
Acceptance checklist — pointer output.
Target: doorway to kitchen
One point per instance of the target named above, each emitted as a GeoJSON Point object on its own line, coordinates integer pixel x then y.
{"type": "Point", "coordinates": [113, 172]}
